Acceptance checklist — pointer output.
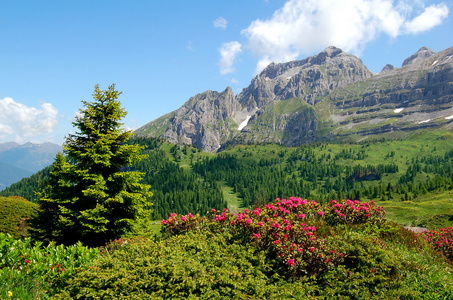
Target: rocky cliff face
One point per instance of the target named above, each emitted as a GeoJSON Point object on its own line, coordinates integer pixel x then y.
{"type": "Point", "coordinates": [308, 79]}
{"type": "Point", "coordinates": [328, 96]}
{"type": "Point", "coordinates": [204, 121]}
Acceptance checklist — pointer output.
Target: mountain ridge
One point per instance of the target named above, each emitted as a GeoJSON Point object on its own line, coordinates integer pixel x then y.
{"type": "Point", "coordinates": [19, 161]}
{"type": "Point", "coordinates": [328, 96]}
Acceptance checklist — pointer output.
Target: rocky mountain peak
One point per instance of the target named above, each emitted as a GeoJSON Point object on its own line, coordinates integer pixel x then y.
{"type": "Point", "coordinates": [387, 68]}
{"type": "Point", "coordinates": [421, 54]}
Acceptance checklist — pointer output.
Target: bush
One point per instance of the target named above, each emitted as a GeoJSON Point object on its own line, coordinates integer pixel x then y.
{"type": "Point", "coordinates": [441, 240]}
{"type": "Point", "coordinates": [16, 211]}
{"type": "Point", "coordinates": [354, 212]}
{"type": "Point", "coordinates": [197, 265]}
{"type": "Point", "coordinates": [287, 229]}
{"type": "Point", "coordinates": [37, 266]}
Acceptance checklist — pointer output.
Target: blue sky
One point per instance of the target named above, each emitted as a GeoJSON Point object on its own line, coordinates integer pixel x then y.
{"type": "Point", "coordinates": [161, 53]}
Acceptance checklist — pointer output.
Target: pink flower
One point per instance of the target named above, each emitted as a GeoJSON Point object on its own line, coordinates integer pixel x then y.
{"type": "Point", "coordinates": [257, 235]}
{"type": "Point", "coordinates": [190, 215]}
{"type": "Point", "coordinates": [276, 242]}
{"type": "Point", "coordinates": [248, 221]}
{"type": "Point", "coordinates": [27, 261]}
{"type": "Point", "coordinates": [213, 210]}
{"type": "Point", "coordinates": [320, 213]}
{"type": "Point", "coordinates": [302, 216]}
{"type": "Point", "coordinates": [164, 222]}
{"type": "Point", "coordinates": [260, 224]}
{"type": "Point", "coordinates": [183, 218]}
{"type": "Point", "coordinates": [290, 262]}
{"type": "Point", "coordinates": [341, 215]}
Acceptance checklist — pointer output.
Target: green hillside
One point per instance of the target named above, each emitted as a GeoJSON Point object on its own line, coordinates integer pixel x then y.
{"type": "Point", "coordinates": [411, 178]}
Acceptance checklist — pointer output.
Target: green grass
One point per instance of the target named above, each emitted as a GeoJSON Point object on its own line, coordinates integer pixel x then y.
{"type": "Point", "coordinates": [434, 210]}
{"type": "Point", "coordinates": [234, 202]}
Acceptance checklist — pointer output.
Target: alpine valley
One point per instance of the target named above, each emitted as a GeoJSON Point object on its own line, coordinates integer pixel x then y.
{"type": "Point", "coordinates": [328, 97]}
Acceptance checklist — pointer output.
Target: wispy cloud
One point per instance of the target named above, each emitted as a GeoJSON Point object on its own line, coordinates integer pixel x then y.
{"type": "Point", "coordinates": [220, 22]}
{"type": "Point", "coordinates": [18, 120]}
{"type": "Point", "coordinates": [431, 17]}
{"type": "Point", "coordinates": [228, 53]}
{"type": "Point", "coordinates": [304, 26]}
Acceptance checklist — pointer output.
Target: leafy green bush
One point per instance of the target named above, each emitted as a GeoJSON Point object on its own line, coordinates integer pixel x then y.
{"type": "Point", "coordinates": [16, 211]}
{"type": "Point", "coordinates": [38, 267]}
{"type": "Point", "coordinates": [195, 265]}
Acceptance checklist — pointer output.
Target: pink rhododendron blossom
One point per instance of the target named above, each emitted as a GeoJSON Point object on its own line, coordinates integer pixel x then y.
{"type": "Point", "coordinates": [290, 262]}
{"type": "Point", "coordinates": [183, 218]}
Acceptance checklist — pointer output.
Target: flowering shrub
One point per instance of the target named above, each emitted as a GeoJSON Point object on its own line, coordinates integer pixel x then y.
{"type": "Point", "coordinates": [285, 227]}
{"type": "Point", "coordinates": [441, 240]}
{"type": "Point", "coordinates": [354, 212]}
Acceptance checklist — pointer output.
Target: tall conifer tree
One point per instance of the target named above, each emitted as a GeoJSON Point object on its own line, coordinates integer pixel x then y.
{"type": "Point", "coordinates": [90, 194]}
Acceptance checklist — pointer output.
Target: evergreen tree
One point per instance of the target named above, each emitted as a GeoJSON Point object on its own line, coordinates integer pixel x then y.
{"type": "Point", "coordinates": [90, 194]}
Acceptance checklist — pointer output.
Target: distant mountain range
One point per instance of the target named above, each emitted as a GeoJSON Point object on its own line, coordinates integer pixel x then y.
{"type": "Point", "coordinates": [331, 96]}
{"type": "Point", "coordinates": [18, 161]}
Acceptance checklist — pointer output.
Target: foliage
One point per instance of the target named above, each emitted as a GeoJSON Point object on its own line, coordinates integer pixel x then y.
{"type": "Point", "coordinates": [236, 256]}
{"type": "Point", "coordinates": [15, 213]}
{"type": "Point", "coordinates": [27, 187]}
{"type": "Point", "coordinates": [441, 240]}
{"type": "Point", "coordinates": [287, 229]}
{"type": "Point", "coordinates": [29, 270]}
{"type": "Point", "coordinates": [89, 195]}
{"type": "Point", "coordinates": [411, 178]}
{"type": "Point", "coordinates": [175, 189]}
{"type": "Point", "coordinates": [354, 212]}
{"type": "Point", "coordinates": [193, 266]}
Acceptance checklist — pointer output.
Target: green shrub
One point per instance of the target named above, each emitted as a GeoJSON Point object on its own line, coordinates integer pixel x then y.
{"type": "Point", "coordinates": [35, 268]}
{"type": "Point", "coordinates": [191, 266]}
{"type": "Point", "coordinates": [15, 212]}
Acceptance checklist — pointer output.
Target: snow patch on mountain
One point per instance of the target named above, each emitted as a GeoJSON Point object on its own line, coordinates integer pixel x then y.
{"type": "Point", "coordinates": [244, 123]}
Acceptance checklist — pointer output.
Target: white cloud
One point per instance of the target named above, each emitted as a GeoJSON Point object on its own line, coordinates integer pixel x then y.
{"type": "Point", "coordinates": [306, 26]}
{"type": "Point", "coordinates": [431, 17]}
{"type": "Point", "coordinates": [220, 22]}
{"type": "Point", "coordinates": [228, 52]}
{"type": "Point", "coordinates": [234, 81]}
{"type": "Point", "coordinates": [23, 121]}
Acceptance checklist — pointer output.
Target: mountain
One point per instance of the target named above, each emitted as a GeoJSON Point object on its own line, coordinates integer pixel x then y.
{"type": "Point", "coordinates": [327, 97]}
{"type": "Point", "coordinates": [18, 161]}
{"type": "Point", "coordinates": [11, 174]}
